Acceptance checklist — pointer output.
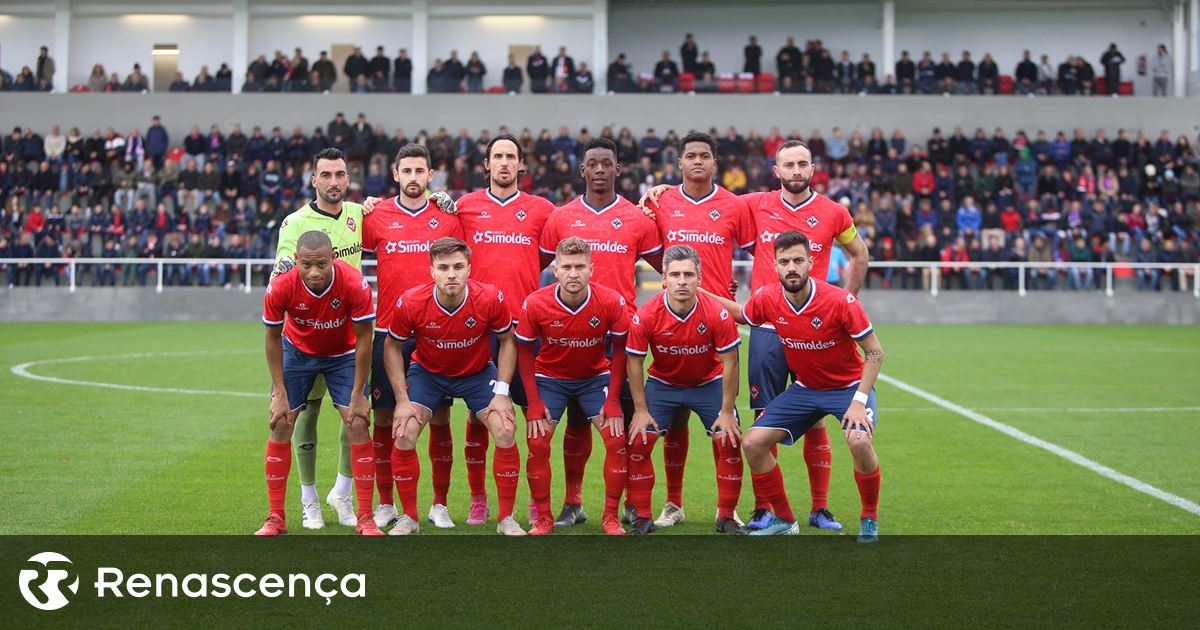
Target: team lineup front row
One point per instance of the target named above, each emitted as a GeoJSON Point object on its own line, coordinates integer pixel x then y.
{"type": "Point", "coordinates": [575, 348]}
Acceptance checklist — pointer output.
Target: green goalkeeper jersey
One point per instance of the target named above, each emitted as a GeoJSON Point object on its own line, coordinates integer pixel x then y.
{"type": "Point", "coordinates": [345, 230]}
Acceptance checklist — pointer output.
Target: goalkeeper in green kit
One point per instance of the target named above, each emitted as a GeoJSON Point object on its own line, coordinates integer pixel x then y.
{"type": "Point", "coordinates": [342, 221]}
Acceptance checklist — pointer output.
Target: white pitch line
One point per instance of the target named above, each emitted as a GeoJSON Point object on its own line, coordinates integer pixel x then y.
{"type": "Point", "coordinates": [22, 370]}
{"type": "Point", "coordinates": [1066, 454]}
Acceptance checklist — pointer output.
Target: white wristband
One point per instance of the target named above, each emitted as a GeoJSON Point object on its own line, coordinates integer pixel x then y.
{"type": "Point", "coordinates": [860, 397]}
{"type": "Point", "coordinates": [500, 388]}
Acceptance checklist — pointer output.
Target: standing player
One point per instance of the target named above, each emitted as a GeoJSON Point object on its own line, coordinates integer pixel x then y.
{"type": "Point", "coordinates": [714, 222]}
{"type": "Point", "coordinates": [818, 326]}
{"type": "Point", "coordinates": [400, 231]}
{"type": "Point", "coordinates": [796, 207]}
{"type": "Point", "coordinates": [450, 319]}
{"type": "Point", "coordinates": [318, 319]}
{"type": "Point", "coordinates": [617, 234]}
{"type": "Point", "coordinates": [504, 226]}
{"type": "Point", "coordinates": [573, 319]}
{"type": "Point", "coordinates": [695, 368]}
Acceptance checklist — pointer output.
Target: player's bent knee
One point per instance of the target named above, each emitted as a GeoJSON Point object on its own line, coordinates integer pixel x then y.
{"type": "Point", "coordinates": [539, 447]}
{"type": "Point", "coordinates": [504, 437]}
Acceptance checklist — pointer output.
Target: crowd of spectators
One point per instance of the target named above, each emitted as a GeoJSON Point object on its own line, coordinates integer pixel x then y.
{"type": "Point", "coordinates": [813, 69]}
{"type": "Point", "coordinates": [1059, 196]}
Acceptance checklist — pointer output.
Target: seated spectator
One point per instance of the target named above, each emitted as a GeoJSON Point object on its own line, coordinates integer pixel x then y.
{"type": "Point", "coordinates": [666, 73]}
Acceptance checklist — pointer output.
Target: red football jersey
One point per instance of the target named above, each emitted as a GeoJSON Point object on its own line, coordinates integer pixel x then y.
{"type": "Point", "coordinates": [618, 234]}
{"type": "Point", "coordinates": [572, 340]}
{"type": "Point", "coordinates": [818, 338]}
{"type": "Point", "coordinates": [685, 348]}
{"type": "Point", "coordinates": [504, 235]}
{"type": "Point", "coordinates": [714, 225]}
{"type": "Point", "coordinates": [319, 325]}
{"type": "Point", "coordinates": [400, 239]}
{"type": "Point", "coordinates": [450, 343]}
{"type": "Point", "coordinates": [819, 218]}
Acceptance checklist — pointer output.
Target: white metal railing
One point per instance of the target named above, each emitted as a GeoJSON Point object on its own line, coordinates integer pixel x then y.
{"type": "Point", "coordinates": [1108, 269]}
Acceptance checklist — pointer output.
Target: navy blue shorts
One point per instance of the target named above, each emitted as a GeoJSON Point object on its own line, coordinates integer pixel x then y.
{"type": "Point", "coordinates": [382, 396]}
{"type": "Point", "coordinates": [300, 371]}
{"type": "Point", "coordinates": [517, 387]}
{"type": "Point", "coordinates": [664, 400]}
{"type": "Point", "coordinates": [798, 408]}
{"type": "Point", "coordinates": [590, 393]}
{"type": "Point", "coordinates": [431, 390]}
{"type": "Point", "coordinates": [768, 370]}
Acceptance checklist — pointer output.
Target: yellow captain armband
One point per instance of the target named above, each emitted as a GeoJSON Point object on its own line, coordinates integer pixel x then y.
{"type": "Point", "coordinates": [848, 235]}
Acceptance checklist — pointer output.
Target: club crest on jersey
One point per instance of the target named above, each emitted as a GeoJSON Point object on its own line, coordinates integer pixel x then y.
{"type": "Point", "coordinates": [336, 303]}
{"type": "Point", "coordinates": [636, 320]}
{"type": "Point", "coordinates": [470, 322]}
{"type": "Point", "coordinates": [594, 321]}
{"type": "Point", "coordinates": [702, 328]}
{"type": "Point", "coordinates": [724, 314]}
{"type": "Point", "coordinates": [812, 221]}
{"type": "Point", "coordinates": [521, 215]}
{"type": "Point", "coordinates": [350, 224]}
{"type": "Point", "coordinates": [816, 322]}
{"type": "Point", "coordinates": [616, 223]}
{"type": "Point", "coordinates": [849, 298]}
{"type": "Point", "coordinates": [714, 215]}
{"type": "Point", "coordinates": [433, 224]}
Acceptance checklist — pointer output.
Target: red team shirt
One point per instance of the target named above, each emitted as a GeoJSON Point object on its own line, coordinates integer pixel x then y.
{"type": "Point", "coordinates": [319, 325]}
{"type": "Point", "coordinates": [818, 338]}
{"type": "Point", "coordinates": [714, 225]}
{"type": "Point", "coordinates": [572, 340]}
{"type": "Point", "coordinates": [450, 343]}
{"type": "Point", "coordinates": [819, 218]}
{"type": "Point", "coordinates": [400, 240]}
{"type": "Point", "coordinates": [618, 234]}
{"type": "Point", "coordinates": [685, 348]}
{"type": "Point", "coordinates": [504, 236]}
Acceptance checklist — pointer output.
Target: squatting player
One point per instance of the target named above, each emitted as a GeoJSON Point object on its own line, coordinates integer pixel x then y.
{"type": "Point", "coordinates": [451, 319]}
{"type": "Point", "coordinates": [617, 234]}
{"type": "Point", "coordinates": [573, 320]}
{"type": "Point", "coordinates": [797, 207]}
{"type": "Point", "coordinates": [694, 341]}
{"type": "Point", "coordinates": [318, 317]}
{"type": "Point", "coordinates": [818, 326]}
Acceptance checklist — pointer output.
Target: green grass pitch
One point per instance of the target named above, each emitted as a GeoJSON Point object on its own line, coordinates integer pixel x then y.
{"type": "Point", "coordinates": [87, 459]}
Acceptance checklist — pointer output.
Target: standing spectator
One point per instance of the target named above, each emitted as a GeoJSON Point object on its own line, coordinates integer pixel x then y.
{"type": "Point", "coordinates": [326, 72]}
{"type": "Point", "coordinates": [356, 66]}
{"type": "Point", "coordinates": [45, 70]}
{"type": "Point", "coordinates": [666, 73]}
{"type": "Point", "coordinates": [689, 53]}
{"type": "Point", "coordinates": [259, 69]}
{"type": "Point", "coordinates": [1026, 75]}
{"type": "Point", "coordinates": [1160, 70]}
{"type": "Point", "coordinates": [224, 80]}
{"type": "Point", "coordinates": [927, 74]}
{"type": "Point", "coordinates": [906, 73]}
{"type": "Point", "coordinates": [402, 72]}
{"type": "Point", "coordinates": [753, 57]}
{"type": "Point", "coordinates": [846, 73]}
{"type": "Point", "coordinates": [583, 82]}
{"type": "Point", "coordinates": [475, 73]}
{"type": "Point", "coordinates": [297, 75]}
{"type": "Point", "coordinates": [202, 83]}
{"type": "Point", "coordinates": [1112, 60]}
{"type": "Point", "coordinates": [538, 69]}
{"type": "Point", "coordinates": [455, 72]}
{"type": "Point", "coordinates": [380, 65]}
{"type": "Point", "coordinates": [136, 81]}
{"type": "Point", "coordinates": [512, 76]}
{"type": "Point", "coordinates": [157, 141]}
{"type": "Point", "coordinates": [564, 69]}
{"type": "Point", "coordinates": [989, 75]}
{"type": "Point", "coordinates": [619, 78]}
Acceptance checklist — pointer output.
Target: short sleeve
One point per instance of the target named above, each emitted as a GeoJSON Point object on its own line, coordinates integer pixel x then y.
{"type": "Point", "coordinates": [639, 334]}
{"type": "Point", "coordinates": [649, 241]}
{"type": "Point", "coordinates": [751, 309]}
{"type": "Point", "coordinates": [527, 327]}
{"type": "Point", "coordinates": [619, 318]}
{"type": "Point", "coordinates": [459, 231]}
{"type": "Point", "coordinates": [751, 198]}
{"type": "Point", "coordinates": [368, 233]}
{"type": "Point", "coordinates": [274, 303]}
{"type": "Point", "coordinates": [854, 318]}
{"type": "Point", "coordinates": [401, 328]}
{"type": "Point", "coordinates": [499, 319]}
{"type": "Point", "coordinates": [362, 308]}
{"type": "Point", "coordinates": [548, 241]}
{"type": "Point", "coordinates": [747, 236]}
{"type": "Point", "coordinates": [845, 227]}
{"type": "Point", "coordinates": [725, 332]}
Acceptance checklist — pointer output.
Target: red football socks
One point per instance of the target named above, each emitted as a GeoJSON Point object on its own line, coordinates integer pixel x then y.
{"type": "Point", "coordinates": [406, 471]}
{"type": "Point", "coordinates": [761, 501]}
{"type": "Point", "coordinates": [362, 463]}
{"type": "Point", "coordinates": [537, 472]}
{"type": "Point", "coordinates": [577, 447]}
{"type": "Point", "coordinates": [729, 477]}
{"type": "Point", "coordinates": [868, 491]}
{"type": "Point", "coordinates": [615, 471]}
{"type": "Point", "coordinates": [819, 459]}
{"type": "Point", "coordinates": [278, 464]}
{"type": "Point", "coordinates": [641, 473]}
{"type": "Point", "coordinates": [382, 441]}
{"type": "Point", "coordinates": [441, 459]}
{"type": "Point", "coordinates": [675, 451]}
{"type": "Point", "coordinates": [475, 452]}
{"type": "Point", "coordinates": [506, 469]}
{"type": "Point", "coordinates": [770, 485]}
